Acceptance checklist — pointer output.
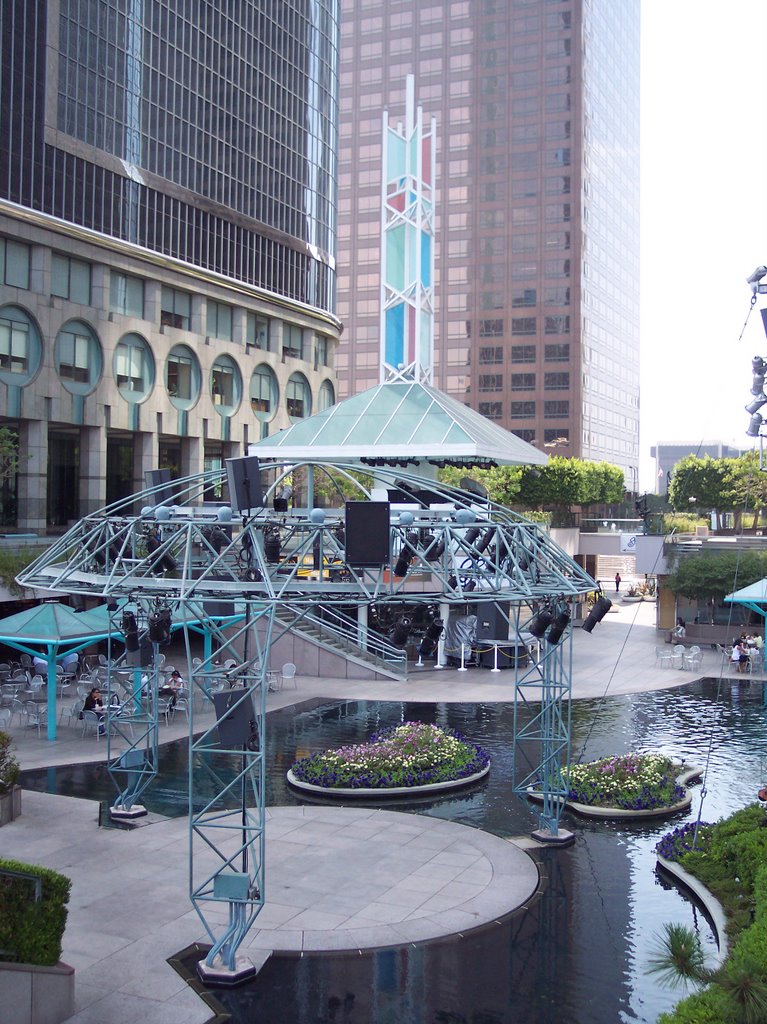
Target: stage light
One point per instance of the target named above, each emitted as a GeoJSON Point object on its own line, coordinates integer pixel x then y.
{"type": "Point", "coordinates": [434, 548]}
{"type": "Point", "coordinates": [540, 623]}
{"type": "Point", "coordinates": [485, 540]}
{"type": "Point", "coordinates": [561, 623]}
{"type": "Point", "coordinates": [757, 404]}
{"type": "Point", "coordinates": [406, 554]}
{"type": "Point", "coordinates": [759, 368]}
{"type": "Point", "coordinates": [601, 607]}
{"type": "Point", "coordinates": [754, 425]}
{"type": "Point", "coordinates": [401, 631]}
{"type": "Point", "coordinates": [272, 546]}
{"type": "Point", "coordinates": [159, 626]}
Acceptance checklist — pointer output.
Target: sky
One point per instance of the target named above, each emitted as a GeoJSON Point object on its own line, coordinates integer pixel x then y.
{"type": "Point", "coordinates": [703, 225]}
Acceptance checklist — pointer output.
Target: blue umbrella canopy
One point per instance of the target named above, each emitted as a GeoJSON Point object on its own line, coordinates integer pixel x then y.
{"type": "Point", "coordinates": [55, 624]}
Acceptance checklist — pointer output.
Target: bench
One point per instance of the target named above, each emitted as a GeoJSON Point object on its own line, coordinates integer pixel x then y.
{"type": "Point", "coordinates": [704, 633]}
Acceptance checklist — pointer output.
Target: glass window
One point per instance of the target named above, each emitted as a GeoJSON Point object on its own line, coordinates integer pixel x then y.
{"type": "Point", "coordinates": [524, 297]}
{"type": "Point", "coordinates": [219, 320]}
{"type": "Point", "coordinates": [554, 436]}
{"type": "Point", "coordinates": [21, 347]}
{"type": "Point", "coordinates": [523, 353]}
{"type": "Point", "coordinates": [182, 377]}
{"type": "Point", "coordinates": [320, 351]}
{"type": "Point", "coordinates": [126, 294]}
{"type": "Point", "coordinates": [557, 353]}
{"type": "Point", "coordinates": [522, 410]}
{"type": "Point", "coordinates": [491, 328]}
{"type": "Point", "coordinates": [133, 368]}
{"type": "Point", "coordinates": [175, 308]}
{"type": "Point", "coordinates": [492, 410]}
{"type": "Point", "coordinates": [257, 331]}
{"type": "Point", "coordinates": [264, 392]}
{"type": "Point", "coordinates": [298, 397]}
{"type": "Point", "coordinates": [523, 325]}
{"type": "Point", "coordinates": [556, 410]}
{"type": "Point", "coordinates": [491, 382]}
{"type": "Point", "coordinates": [326, 397]}
{"type": "Point", "coordinates": [292, 341]}
{"type": "Point", "coordinates": [78, 357]}
{"type": "Point", "coordinates": [556, 381]}
{"type": "Point", "coordinates": [226, 385]}
{"type": "Point", "coordinates": [558, 324]}
{"type": "Point", "coordinates": [490, 354]}
{"type": "Point", "coordinates": [523, 382]}
{"type": "Point", "coordinates": [70, 279]}
{"type": "Point", "coordinates": [526, 434]}
{"type": "Point", "coordinates": [14, 263]}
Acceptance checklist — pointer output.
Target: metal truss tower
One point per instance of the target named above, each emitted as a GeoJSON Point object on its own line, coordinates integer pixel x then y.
{"type": "Point", "coordinates": [189, 562]}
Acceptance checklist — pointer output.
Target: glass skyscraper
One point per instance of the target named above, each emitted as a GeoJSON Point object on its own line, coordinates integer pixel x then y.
{"type": "Point", "coordinates": [537, 238]}
{"type": "Point", "coordinates": [167, 221]}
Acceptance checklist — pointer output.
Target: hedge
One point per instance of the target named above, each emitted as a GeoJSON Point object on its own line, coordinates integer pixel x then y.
{"type": "Point", "coordinates": [31, 932]}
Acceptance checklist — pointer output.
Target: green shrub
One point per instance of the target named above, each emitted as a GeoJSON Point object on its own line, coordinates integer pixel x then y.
{"type": "Point", "coordinates": [31, 932]}
{"type": "Point", "coordinates": [9, 766]}
{"type": "Point", "coordinates": [710, 1006]}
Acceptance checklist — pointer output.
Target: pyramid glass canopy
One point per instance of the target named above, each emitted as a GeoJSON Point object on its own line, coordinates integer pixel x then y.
{"type": "Point", "coordinates": [396, 420]}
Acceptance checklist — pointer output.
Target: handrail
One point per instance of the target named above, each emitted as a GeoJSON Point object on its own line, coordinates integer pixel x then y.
{"type": "Point", "coordinates": [346, 629]}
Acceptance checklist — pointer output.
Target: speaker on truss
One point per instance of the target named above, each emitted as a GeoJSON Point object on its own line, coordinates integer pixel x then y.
{"type": "Point", "coordinates": [159, 626]}
{"type": "Point", "coordinates": [155, 478]}
{"type": "Point", "coordinates": [236, 718]}
{"type": "Point", "coordinates": [244, 478]}
{"type": "Point", "coordinates": [367, 532]}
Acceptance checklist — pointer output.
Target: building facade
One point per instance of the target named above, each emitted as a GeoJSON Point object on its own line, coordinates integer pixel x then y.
{"type": "Point", "coordinates": [667, 455]}
{"type": "Point", "coordinates": [537, 237]}
{"type": "Point", "coordinates": [167, 238]}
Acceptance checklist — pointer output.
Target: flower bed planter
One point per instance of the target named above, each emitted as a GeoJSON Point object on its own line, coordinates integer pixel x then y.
{"type": "Point", "coordinates": [37, 995]}
{"type": "Point", "coordinates": [405, 760]}
{"type": "Point", "coordinates": [10, 805]}
{"type": "Point", "coordinates": [601, 810]}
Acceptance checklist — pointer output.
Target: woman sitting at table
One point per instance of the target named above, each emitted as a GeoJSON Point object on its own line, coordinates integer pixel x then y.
{"type": "Point", "coordinates": [740, 657]}
{"type": "Point", "coordinates": [172, 685]}
{"type": "Point", "coordinates": [94, 703]}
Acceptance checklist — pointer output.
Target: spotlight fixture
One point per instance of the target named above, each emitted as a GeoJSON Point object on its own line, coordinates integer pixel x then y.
{"type": "Point", "coordinates": [755, 277]}
{"type": "Point", "coordinates": [159, 626]}
{"type": "Point", "coordinates": [401, 631]}
{"type": "Point", "coordinates": [272, 546]}
{"type": "Point", "coordinates": [406, 554]}
{"type": "Point", "coordinates": [540, 623]}
{"type": "Point", "coordinates": [754, 425]}
{"type": "Point", "coordinates": [759, 368]}
{"type": "Point", "coordinates": [601, 607]}
{"type": "Point", "coordinates": [757, 404]}
{"type": "Point", "coordinates": [561, 622]}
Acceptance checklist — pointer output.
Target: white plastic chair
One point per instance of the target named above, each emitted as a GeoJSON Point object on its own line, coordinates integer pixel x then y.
{"type": "Point", "coordinates": [5, 718]}
{"type": "Point", "coordinates": [288, 674]}
{"type": "Point", "coordinates": [71, 712]}
{"type": "Point", "coordinates": [678, 655]}
{"type": "Point", "coordinates": [664, 656]}
{"type": "Point", "coordinates": [692, 659]}
{"type": "Point", "coordinates": [35, 714]}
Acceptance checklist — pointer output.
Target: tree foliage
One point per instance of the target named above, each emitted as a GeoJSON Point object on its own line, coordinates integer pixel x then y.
{"type": "Point", "coordinates": [717, 573]}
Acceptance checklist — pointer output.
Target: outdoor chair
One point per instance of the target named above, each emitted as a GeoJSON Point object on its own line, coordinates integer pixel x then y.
{"type": "Point", "coordinates": [288, 674]}
{"type": "Point", "coordinates": [164, 709]}
{"type": "Point", "coordinates": [71, 712]}
{"type": "Point", "coordinates": [37, 683]}
{"type": "Point", "coordinates": [182, 703]}
{"type": "Point", "coordinates": [93, 721]}
{"type": "Point", "coordinates": [5, 718]}
{"type": "Point", "coordinates": [35, 715]}
{"type": "Point", "coordinates": [692, 659]}
{"type": "Point", "coordinates": [17, 710]}
{"type": "Point", "coordinates": [664, 656]}
{"type": "Point", "coordinates": [678, 655]}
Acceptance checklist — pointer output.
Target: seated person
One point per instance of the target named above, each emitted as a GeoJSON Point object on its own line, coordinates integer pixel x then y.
{"type": "Point", "coordinates": [172, 685]}
{"type": "Point", "coordinates": [739, 657]}
{"type": "Point", "coordinates": [69, 662]}
{"type": "Point", "coordinates": [679, 632]}
{"type": "Point", "coordinates": [40, 665]}
{"type": "Point", "coordinates": [94, 703]}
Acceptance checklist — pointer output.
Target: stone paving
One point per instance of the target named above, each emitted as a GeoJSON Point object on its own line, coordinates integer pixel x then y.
{"type": "Point", "coordinates": [338, 878]}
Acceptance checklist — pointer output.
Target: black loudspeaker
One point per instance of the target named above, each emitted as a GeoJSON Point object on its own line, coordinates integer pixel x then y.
{"type": "Point", "coordinates": [155, 477]}
{"type": "Point", "coordinates": [236, 718]}
{"type": "Point", "coordinates": [492, 620]}
{"type": "Point", "coordinates": [367, 532]}
{"type": "Point", "coordinates": [159, 626]}
{"type": "Point", "coordinates": [244, 478]}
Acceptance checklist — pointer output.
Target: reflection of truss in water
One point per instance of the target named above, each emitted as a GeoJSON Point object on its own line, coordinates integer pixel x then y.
{"type": "Point", "coordinates": [448, 549]}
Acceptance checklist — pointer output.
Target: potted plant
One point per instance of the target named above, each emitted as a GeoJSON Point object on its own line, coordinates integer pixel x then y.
{"type": "Point", "coordinates": [10, 792]}
{"type": "Point", "coordinates": [632, 594]}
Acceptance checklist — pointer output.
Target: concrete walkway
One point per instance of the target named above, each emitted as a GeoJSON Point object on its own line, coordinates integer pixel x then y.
{"type": "Point", "coordinates": [338, 878]}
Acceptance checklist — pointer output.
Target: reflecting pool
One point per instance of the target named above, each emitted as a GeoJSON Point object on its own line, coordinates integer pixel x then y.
{"type": "Point", "coordinates": [578, 953]}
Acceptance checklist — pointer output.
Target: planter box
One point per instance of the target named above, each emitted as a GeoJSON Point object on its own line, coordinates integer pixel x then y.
{"type": "Point", "coordinates": [10, 805]}
{"type": "Point", "coordinates": [37, 995]}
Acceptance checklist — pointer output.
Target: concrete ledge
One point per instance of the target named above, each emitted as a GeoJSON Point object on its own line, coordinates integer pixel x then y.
{"type": "Point", "coordinates": [711, 904]}
{"type": "Point", "coordinates": [434, 787]}
{"type": "Point", "coordinates": [37, 995]}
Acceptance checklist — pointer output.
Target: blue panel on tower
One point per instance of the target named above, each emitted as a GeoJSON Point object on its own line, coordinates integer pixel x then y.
{"type": "Point", "coordinates": [395, 335]}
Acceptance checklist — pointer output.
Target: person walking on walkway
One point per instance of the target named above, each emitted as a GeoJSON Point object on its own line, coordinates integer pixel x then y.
{"type": "Point", "coordinates": [617, 582]}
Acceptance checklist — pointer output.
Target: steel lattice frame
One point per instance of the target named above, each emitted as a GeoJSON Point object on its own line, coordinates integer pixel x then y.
{"type": "Point", "coordinates": [191, 558]}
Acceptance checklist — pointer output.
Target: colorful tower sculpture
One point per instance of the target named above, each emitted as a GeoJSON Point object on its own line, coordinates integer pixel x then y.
{"type": "Point", "coordinates": [407, 246]}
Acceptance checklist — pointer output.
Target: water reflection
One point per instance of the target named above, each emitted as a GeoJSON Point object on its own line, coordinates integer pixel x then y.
{"type": "Point", "coordinates": [578, 953]}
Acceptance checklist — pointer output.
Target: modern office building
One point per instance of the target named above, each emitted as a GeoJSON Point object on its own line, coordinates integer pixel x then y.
{"type": "Point", "coordinates": [167, 238]}
{"type": "Point", "coordinates": [537, 192]}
